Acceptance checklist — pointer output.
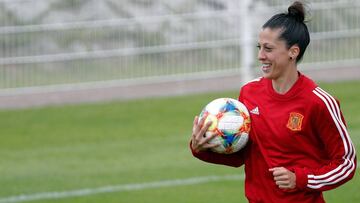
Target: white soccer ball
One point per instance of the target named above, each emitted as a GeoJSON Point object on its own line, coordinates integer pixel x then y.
{"type": "Point", "coordinates": [230, 121]}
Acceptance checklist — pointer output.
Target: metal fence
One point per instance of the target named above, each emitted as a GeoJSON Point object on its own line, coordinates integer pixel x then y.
{"type": "Point", "coordinates": [87, 42]}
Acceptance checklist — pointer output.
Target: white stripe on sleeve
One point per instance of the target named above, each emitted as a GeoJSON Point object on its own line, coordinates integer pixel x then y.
{"type": "Point", "coordinates": [348, 166]}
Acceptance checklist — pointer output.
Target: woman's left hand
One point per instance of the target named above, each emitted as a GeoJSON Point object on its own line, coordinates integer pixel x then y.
{"type": "Point", "coordinates": [283, 178]}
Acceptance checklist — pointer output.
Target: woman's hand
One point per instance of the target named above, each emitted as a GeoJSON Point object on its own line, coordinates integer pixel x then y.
{"type": "Point", "coordinates": [284, 178]}
{"type": "Point", "coordinates": [198, 140]}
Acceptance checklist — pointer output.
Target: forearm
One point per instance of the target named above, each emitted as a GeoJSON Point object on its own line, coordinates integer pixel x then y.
{"type": "Point", "coordinates": [325, 178]}
{"type": "Point", "coordinates": [234, 160]}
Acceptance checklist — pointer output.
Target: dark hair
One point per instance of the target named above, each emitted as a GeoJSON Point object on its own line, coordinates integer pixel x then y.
{"type": "Point", "coordinates": [294, 30]}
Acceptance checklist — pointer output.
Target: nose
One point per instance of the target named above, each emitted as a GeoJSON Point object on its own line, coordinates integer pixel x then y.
{"type": "Point", "coordinates": [261, 56]}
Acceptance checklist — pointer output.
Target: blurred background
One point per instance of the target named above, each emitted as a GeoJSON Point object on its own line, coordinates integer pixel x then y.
{"type": "Point", "coordinates": [97, 97]}
{"type": "Point", "coordinates": [102, 49]}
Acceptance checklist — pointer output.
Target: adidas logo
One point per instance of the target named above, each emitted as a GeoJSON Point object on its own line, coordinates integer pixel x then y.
{"type": "Point", "coordinates": [255, 111]}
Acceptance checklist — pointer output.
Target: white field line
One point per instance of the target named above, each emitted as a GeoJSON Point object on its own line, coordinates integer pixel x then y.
{"type": "Point", "coordinates": [119, 188]}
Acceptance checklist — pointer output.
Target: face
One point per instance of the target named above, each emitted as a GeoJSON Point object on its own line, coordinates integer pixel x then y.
{"type": "Point", "coordinates": [273, 54]}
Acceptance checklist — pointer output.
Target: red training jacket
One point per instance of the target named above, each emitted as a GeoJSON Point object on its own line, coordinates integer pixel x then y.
{"type": "Point", "coordinates": [303, 131]}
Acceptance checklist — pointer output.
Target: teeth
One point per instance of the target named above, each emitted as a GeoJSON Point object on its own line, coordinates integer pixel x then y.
{"type": "Point", "coordinates": [266, 67]}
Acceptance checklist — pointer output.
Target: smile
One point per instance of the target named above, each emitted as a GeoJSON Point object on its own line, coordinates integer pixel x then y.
{"type": "Point", "coordinates": [265, 67]}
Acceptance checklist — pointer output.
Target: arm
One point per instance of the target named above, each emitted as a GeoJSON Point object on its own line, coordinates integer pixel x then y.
{"type": "Point", "coordinates": [200, 147]}
{"type": "Point", "coordinates": [234, 160]}
{"type": "Point", "coordinates": [339, 148]}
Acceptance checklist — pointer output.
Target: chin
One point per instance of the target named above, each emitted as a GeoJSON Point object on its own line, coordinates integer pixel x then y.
{"type": "Point", "coordinates": [267, 75]}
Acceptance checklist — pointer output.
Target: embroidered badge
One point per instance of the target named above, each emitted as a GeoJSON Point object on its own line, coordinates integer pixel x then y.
{"type": "Point", "coordinates": [295, 121]}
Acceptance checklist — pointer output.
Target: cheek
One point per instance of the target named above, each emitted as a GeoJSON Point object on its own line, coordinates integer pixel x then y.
{"type": "Point", "coordinates": [281, 58]}
{"type": "Point", "coordinates": [271, 57]}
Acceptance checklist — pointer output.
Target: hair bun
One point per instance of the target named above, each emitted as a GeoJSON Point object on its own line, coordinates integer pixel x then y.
{"type": "Point", "coordinates": [297, 11]}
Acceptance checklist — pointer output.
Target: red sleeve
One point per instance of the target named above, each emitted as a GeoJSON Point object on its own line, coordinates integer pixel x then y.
{"type": "Point", "coordinates": [332, 131]}
{"type": "Point", "coordinates": [240, 98]}
{"type": "Point", "coordinates": [235, 160]}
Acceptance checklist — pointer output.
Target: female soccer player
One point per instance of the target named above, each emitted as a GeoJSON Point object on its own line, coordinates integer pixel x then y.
{"type": "Point", "coordinates": [299, 145]}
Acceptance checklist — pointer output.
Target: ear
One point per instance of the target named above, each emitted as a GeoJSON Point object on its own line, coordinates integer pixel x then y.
{"type": "Point", "coordinates": [294, 51]}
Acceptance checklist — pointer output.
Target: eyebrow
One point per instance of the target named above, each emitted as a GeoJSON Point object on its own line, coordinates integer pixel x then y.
{"type": "Point", "coordinates": [266, 45]}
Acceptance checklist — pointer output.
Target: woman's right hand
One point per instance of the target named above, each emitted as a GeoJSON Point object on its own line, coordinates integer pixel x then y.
{"type": "Point", "coordinates": [199, 142]}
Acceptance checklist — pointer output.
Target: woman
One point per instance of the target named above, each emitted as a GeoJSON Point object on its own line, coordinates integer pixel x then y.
{"type": "Point", "coordinates": [299, 145]}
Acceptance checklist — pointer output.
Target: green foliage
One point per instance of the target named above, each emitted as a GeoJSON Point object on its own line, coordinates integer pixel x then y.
{"type": "Point", "coordinates": [94, 145]}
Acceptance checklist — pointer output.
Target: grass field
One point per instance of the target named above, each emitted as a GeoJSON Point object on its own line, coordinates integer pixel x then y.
{"type": "Point", "coordinates": [122, 143]}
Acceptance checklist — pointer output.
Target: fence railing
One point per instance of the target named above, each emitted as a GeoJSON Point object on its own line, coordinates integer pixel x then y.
{"type": "Point", "coordinates": [57, 46]}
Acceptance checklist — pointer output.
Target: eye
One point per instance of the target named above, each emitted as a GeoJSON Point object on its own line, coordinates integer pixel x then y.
{"type": "Point", "coordinates": [268, 49]}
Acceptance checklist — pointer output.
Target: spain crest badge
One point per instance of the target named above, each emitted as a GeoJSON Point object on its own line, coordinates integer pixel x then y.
{"type": "Point", "coordinates": [295, 121]}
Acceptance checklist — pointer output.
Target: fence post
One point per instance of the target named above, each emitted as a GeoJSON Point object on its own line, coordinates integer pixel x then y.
{"type": "Point", "coordinates": [247, 46]}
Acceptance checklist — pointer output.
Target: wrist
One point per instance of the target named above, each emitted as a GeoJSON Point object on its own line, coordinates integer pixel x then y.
{"type": "Point", "coordinates": [301, 178]}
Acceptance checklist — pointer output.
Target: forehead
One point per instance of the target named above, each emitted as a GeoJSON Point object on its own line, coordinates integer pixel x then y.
{"type": "Point", "coordinates": [270, 36]}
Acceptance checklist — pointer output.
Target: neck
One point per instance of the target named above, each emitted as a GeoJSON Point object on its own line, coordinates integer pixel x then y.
{"type": "Point", "coordinates": [283, 84]}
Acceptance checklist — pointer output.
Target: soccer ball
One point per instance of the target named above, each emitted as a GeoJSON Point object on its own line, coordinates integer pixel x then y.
{"type": "Point", "coordinates": [230, 121]}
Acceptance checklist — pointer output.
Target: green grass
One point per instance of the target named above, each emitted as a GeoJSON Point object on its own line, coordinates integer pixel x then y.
{"type": "Point", "coordinates": [93, 145]}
